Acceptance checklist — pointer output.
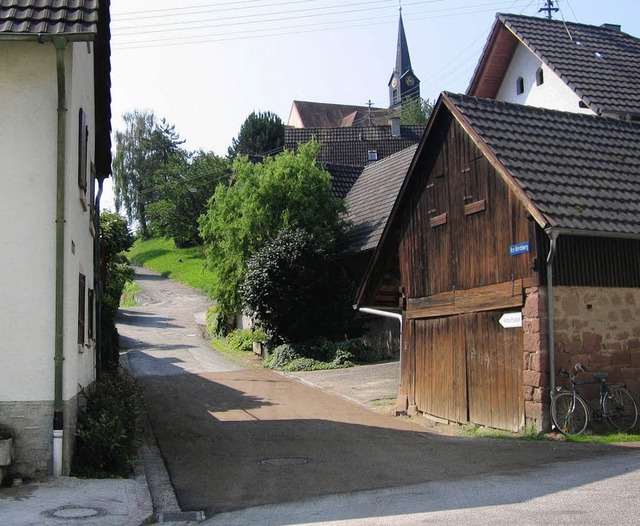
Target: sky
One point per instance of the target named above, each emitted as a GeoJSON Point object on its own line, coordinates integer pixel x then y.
{"type": "Point", "coordinates": [205, 65]}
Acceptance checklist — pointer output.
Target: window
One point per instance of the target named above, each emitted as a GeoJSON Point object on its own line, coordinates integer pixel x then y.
{"type": "Point", "coordinates": [373, 155]}
{"type": "Point", "coordinates": [82, 283]}
{"type": "Point", "coordinates": [520, 86]}
{"type": "Point", "coordinates": [539, 77]}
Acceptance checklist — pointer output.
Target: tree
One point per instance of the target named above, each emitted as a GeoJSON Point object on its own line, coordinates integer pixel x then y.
{"type": "Point", "coordinates": [261, 134]}
{"type": "Point", "coordinates": [190, 181]}
{"type": "Point", "coordinates": [286, 191]}
{"type": "Point", "coordinates": [142, 149]}
{"type": "Point", "coordinates": [415, 111]}
{"type": "Point", "coordinates": [297, 291]}
{"type": "Point", "coordinates": [115, 271]}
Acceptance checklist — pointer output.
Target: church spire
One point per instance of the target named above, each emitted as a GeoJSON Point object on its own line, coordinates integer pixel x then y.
{"type": "Point", "coordinates": [403, 82]}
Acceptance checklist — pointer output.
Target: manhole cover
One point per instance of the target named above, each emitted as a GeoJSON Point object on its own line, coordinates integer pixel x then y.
{"type": "Point", "coordinates": [75, 512]}
{"type": "Point", "coordinates": [285, 461]}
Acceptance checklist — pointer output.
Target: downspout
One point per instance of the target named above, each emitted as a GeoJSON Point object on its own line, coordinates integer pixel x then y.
{"type": "Point", "coordinates": [97, 278]}
{"type": "Point", "coordinates": [553, 238]}
{"type": "Point", "coordinates": [58, 420]}
{"type": "Point", "coordinates": [386, 314]}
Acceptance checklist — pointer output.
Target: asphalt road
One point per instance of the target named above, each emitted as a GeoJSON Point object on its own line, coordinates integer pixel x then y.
{"type": "Point", "coordinates": [235, 438]}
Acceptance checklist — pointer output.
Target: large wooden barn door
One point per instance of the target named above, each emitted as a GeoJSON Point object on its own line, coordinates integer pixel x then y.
{"type": "Point", "coordinates": [469, 368]}
{"type": "Point", "coordinates": [441, 388]}
{"type": "Point", "coordinates": [494, 371]}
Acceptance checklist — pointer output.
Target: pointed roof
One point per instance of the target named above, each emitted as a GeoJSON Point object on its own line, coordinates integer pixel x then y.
{"type": "Point", "coordinates": [599, 63]}
{"type": "Point", "coordinates": [403, 60]}
{"type": "Point", "coordinates": [574, 173]}
{"type": "Point", "coordinates": [306, 114]}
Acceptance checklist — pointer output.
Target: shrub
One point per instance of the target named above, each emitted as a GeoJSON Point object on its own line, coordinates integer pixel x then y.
{"type": "Point", "coordinates": [242, 339]}
{"type": "Point", "coordinates": [108, 427]}
{"type": "Point", "coordinates": [321, 354]}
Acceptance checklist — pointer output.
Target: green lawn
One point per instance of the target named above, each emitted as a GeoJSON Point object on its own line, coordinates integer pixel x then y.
{"type": "Point", "coordinates": [185, 265]}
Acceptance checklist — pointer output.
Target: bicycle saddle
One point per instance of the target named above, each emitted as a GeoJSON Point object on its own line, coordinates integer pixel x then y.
{"type": "Point", "coordinates": [600, 376]}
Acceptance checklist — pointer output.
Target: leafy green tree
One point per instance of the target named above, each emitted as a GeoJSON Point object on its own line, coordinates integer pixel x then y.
{"type": "Point", "coordinates": [415, 111]}
{"type": "Point", "coordinates": [261, 134]}
{"type": "Point", "coordinates": [189, 183]}
{"type": "Point", "coordinates": [297, 291]}
{"type": "Point", "coordinates": [115, 271]}
{"type": "Point", "coordinates": [287, 191]}
{"type": "Point", "coordinates": [142, 148]}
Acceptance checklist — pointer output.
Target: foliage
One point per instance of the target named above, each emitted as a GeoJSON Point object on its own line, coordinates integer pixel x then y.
{"type": "Point", "coordinates": [313, 356]}
{"type": "Point", "coordinates": [261, 134]}
{"type": "Point", "coordinates": [108, 427]}
{"type": "Point", "coordinates": [128, 296]}
{"type": "Point", "coordinates": [142, 149]}
{"type": "Point", "coordinates": [189, 181]}
{"type": "Point", "coordinates": [185, 265]}
{"type": "Point", "coordinates": [296, 290]}
{"type": "Point", "coordinates": [242, 339]}
{"type": "Point", "coordinates": [115, 271]}
{"type": "Point", "coordinates": [415, 111]}
{"type": "Point", "coordinates": [286, 191]}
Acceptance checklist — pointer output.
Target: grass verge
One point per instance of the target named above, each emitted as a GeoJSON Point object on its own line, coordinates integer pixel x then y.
{"type": "Point", "coordinates": [244, 358]}
{"type": "Point", "coordinates": [128, 297]}
{"type": "Point", "coordinates": [185, 265]}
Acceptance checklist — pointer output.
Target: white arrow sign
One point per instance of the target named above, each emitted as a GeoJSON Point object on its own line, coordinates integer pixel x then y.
{"type": "Point", "coordinates": [511, 320]}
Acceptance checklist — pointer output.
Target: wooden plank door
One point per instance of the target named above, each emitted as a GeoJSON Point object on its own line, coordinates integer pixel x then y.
{"type": "Point", "coordinates": [494, 371]}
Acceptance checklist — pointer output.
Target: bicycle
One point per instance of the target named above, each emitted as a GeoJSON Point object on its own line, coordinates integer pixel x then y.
{"type": "Point", "coordinates": [570, 412]}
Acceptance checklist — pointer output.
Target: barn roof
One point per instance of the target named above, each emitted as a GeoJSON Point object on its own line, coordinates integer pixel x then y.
{"type": "Point", "coordinates": [600, 63]}
{"type": "Point", "coordinates": [371, 199]}
{"type": "Point", "coordinates": [575, 173]}
{"type": "Point", "coordinates": [48, 17]}
{"type": "Point", "coordinates": [580, 171]}
{"type": "Point", "coordinates": [327, 115]}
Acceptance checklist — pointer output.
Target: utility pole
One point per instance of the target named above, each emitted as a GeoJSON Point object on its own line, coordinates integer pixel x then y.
{"type": "Point", "coordinates": [549, 8]}
{"type": "Point", "coordinates": [369, 104]}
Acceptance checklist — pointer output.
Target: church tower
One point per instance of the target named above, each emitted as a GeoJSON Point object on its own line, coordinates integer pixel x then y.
{"type": "Point", "coordinates": [403, 82]}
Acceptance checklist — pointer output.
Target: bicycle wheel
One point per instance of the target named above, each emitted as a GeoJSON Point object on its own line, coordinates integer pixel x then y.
{"type": "Point", "coordinates": [619, 408]}
{"type": "Point", "coordinates": [569, 413]}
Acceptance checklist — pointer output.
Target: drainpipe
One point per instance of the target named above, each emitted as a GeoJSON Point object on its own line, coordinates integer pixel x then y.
{"type": "Point", "coordinates": [386, 314]}
{"type": "Point", "coordinates": [97, 279]}
{"type": "Point", "coordinates": [58, 420]}
{"type": "Point", "coordinates": [553, 238]}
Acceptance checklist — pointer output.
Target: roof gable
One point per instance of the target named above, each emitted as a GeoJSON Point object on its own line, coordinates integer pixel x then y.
{"type": "Point", "coordinates": [325, 115]}
{"type": "Point", "coordinates": [48, 17]}
{"type": "Point", "coordinates": [600, 64]}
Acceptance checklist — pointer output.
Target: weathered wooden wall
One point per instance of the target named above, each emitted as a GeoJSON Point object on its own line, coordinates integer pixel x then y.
{"type": "Point", "coordinates": [458, 278]}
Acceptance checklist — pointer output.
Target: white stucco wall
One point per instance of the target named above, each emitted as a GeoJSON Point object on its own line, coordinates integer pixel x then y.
{"type": "Point", "coordinates": [553, 93]}
{"type": "Point", "coordinates": [28, 132]}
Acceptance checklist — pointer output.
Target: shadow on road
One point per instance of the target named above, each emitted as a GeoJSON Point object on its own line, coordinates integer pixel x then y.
{"type": "Point", "coordinates": [216, 430]}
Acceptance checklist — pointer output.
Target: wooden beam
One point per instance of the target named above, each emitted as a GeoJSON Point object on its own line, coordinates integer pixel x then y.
{"type": "Point", "coordinates": [492, 297]}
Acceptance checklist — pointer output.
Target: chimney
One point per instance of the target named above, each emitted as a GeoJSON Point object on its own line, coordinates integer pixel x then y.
{"type": "Point", "coordinates": [395, 126]}
{"type": "Point", "coordinates": [613, 27]}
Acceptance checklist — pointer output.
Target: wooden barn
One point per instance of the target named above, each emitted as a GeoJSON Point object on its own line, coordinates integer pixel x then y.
{"type": "Point", "coordinates": [509, 213]}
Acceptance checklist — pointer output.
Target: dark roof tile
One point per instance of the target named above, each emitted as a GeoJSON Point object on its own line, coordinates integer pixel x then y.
{"type": "Point", "coordinates": [50, 17]}
{"type": "Point", "coordinates": [581, 171]}
{"type": "Point", "coordinates": [372, 197]}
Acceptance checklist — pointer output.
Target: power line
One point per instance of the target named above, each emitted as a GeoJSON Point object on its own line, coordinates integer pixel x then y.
{"type": "Point", "coordinates": [287, 30]}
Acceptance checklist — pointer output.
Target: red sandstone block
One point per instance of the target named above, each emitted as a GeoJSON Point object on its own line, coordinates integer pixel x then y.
{"type": "Point", "coordinates": [531, 306]}
{"type": "Point", "coordinates": [533, 410]}
{"type": "Point", "coordinates": [532, 342]}
{"type": "Point", "coordinates": [539, 362]}
{"type": "Point", "coordinates": [570, 305]}
{"type": "Point", "coordinates": [591, 342]}
{"type": "Point", "coordinates": [528, 392]}
{"type": "Point", "coordinates": [534, 379]}
{"type": "Point", "coordinates": [597, 362]}
{"type": "Point", "coordinates": [620, 358]}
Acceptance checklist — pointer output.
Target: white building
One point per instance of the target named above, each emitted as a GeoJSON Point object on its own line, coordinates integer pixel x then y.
{"type": "Point", "coordinates": [55, 148]}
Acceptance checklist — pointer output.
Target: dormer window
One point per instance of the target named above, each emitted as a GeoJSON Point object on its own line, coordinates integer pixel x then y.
{"type": "Point", "coordinates": [373, 155]}
{"type": "Point", "coordinates": [520, 86]}
{"type": "Point", "coordinates": [539, 77]}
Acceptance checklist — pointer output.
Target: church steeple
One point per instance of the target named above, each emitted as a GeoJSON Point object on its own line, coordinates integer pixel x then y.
{"type": "Point", "coordinates": [403, 82]}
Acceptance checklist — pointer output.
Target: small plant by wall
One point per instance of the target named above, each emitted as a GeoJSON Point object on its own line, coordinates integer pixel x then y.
{"type": "Point", "coordinates": [108, 430]}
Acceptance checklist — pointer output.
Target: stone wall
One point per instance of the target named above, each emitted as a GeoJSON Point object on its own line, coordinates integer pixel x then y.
{"type": "Point", "coordinates": [600, 328]}
{"type": "Point", "coordinates": [536, 359]}
{"type": "Point", "coordinates": [382, 335]}
{"type": "Point", "coordinates": [32, 426]}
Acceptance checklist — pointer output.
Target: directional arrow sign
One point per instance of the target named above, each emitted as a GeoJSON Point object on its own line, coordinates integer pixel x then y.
{"type": "Point", "coordinates": [511, 320]}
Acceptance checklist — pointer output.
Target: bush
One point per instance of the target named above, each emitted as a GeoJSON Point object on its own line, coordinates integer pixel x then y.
{"type": "Point", "coordinates": [108, 427]}
{"type": "Point", "coordinates": [313, 356]}
{"type": "Point", "coordinates": [242, 339]}
{"type": "Point", "coordinates": [296, 290]}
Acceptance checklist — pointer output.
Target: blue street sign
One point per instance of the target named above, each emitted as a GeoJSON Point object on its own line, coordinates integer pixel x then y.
{"type": "Point", "coordinates": [520, 248]}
